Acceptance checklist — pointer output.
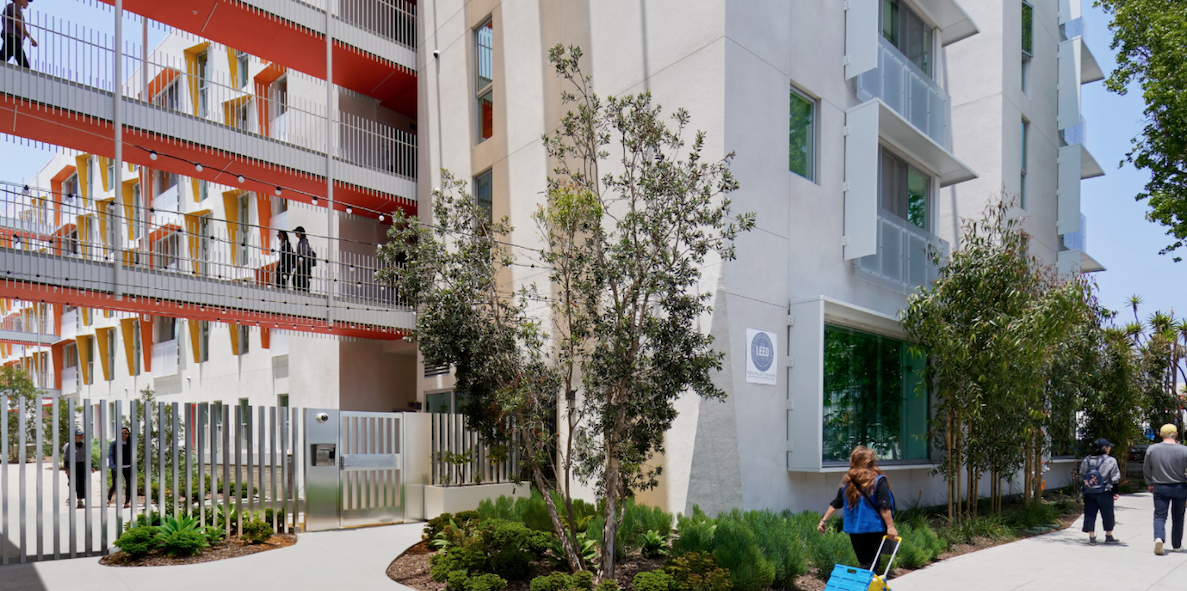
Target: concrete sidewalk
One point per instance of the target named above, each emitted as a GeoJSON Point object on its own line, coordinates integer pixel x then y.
{"type": "Point", "coordinates": [1064, 560]}
{"type": "Point", "coordinates": [324, 561]}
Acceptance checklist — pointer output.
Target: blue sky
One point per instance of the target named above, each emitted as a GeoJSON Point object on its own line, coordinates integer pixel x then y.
{"type": "Point", "coordinates": [1118, 234]}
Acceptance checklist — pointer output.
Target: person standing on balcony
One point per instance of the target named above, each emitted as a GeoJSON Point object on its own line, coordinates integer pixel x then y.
{"type": "Point", "coordinates": [306, 259]}
{"type": "Point", "coordinates": [287, 260]}
{"type": "Point", "coordinates": [123, 466]}
{"type": "Point", "coordinates": [15, 33]}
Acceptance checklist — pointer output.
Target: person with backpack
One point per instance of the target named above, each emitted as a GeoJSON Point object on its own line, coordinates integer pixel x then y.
{"type": "Point", "coordinates": [868, 503]}
{"type": "Point", "coordinates": [1165, 472]}
{"type": "Point", "coordinates": [1099, 478]}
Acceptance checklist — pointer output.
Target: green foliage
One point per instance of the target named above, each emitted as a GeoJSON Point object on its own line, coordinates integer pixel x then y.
{"type": "Point", "coordinates": [737, 548]}
{"type": "Point", "coordinates": [257, 531]}
{"type": "Point", "coordinates": [654, 544]}
{"type": "Point", "coordinates": [461, 581]}
{"type": "Point", "coordinates": [966, 531]}
{"type": "Point", "coordinates": [696, 533]}
{"type": "Point", "coordinates": [558, 581]}
{"type": "Point", "coordinates": [919, 546]}
{"type": "Point", "coordinates": [607, 585]}
{"type": "Point", "coordinates": [213, 534]}
{"type": "Point", "coordinates": [654, 581]}
{"type": "Point", "coordinates": [758, 548]}
{"type": "Point", "coordinates": [170, 525]}
{"type": "Point", "coordinates": [585, 546]}
{"type": "Point", "coordinates": [828, 550]}
{"type": "Point", "coordinates": [636, 521]}
{"type": "Point", "coordinates": [183, 543]}
{"type": "Point", "coordinates": [1147, 35]}
{"type": "Point", "coordinates": [698, 572]}
{"type": "Point", "coordinates": [138, 541]}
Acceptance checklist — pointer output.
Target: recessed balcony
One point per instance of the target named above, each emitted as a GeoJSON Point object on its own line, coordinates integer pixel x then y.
{"type": "Point", "coordinates": [910, 92]}
{"type": "Point", "coordinates": [903, 261]}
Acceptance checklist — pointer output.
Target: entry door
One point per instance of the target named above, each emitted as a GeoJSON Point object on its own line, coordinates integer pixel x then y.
{"type": "Point", "coordinates": [370, 446]}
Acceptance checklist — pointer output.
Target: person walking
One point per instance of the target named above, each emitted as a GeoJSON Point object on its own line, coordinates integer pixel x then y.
{"type": "Point", "coordinates": [15, 33]}
{"type": "Point", "coordinates": [868, 503]}
{"type": "Point", "coordinates": [1100, 476]}
{"type": "Point", "coordinates": [1165, 471]}
{"type": "Point", "coordinates": [123, 466]}
{"type": "Point", "coordinates": [306, 260]}
{"type": "Point", "coordinates": [76, 474]}
{"type": "Point", "coordinates": [288, 258]}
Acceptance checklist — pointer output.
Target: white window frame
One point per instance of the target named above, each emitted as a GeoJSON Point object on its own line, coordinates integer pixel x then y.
{"type": "Point", "coordinates": [812, 133]}
{"type": "Point", "coordinates": [486, 91]}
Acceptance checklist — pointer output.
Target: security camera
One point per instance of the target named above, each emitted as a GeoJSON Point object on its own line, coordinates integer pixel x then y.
{"type": "Point", "coordinates": [322, 417]}
{"type": "Point", "coordinates": [436, 53]}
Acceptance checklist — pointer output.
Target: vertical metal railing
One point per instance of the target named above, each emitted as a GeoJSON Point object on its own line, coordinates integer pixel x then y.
{"type": "Point", "coordinates": [460, 457]}
{"type": "Point", "coordinates": [173, 446]}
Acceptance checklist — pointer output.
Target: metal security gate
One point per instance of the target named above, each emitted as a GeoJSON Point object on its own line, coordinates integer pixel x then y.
{"type": "Point", "coordinates": [354, 469]}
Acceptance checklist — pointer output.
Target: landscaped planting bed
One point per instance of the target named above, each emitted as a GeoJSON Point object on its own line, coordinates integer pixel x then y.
{"type": "Point", "coordinates": [154, 540]}
{"type": "Point", "coordinates": [508, 545]}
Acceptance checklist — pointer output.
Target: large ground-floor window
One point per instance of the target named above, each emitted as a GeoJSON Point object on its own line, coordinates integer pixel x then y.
{"type": "Point", "coordinates": [871, 396]}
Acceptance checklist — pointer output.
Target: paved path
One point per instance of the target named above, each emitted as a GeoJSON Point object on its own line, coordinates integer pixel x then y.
{"type": "Point", "coordinates": [1064, 560]}
{"type": "Point", "coordinates": [324, 561]}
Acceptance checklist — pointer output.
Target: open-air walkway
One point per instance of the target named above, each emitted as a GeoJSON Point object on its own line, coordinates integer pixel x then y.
{"type": "Point", "coordinates": [1064, 560]}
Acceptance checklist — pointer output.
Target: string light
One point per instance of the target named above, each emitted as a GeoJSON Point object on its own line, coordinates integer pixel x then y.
{"type": "Point", "coordinates": [278, 190]}
{"type": "Point", "coordinates": [315, 200]}
{"type": "Point", "coordinates": [152, 155]}
{"type": "Point", "coordinates": [349, 209]}
{"type": "Point", "coordinates": [240, 178]}
{"type": "Point", "coordinates": [198, 167]}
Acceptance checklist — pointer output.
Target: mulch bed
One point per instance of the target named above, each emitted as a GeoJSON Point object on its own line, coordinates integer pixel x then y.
{"type": "Point", "coordinates": [231, 548]}
{"type": "Point", "coordinates": [412, 567]}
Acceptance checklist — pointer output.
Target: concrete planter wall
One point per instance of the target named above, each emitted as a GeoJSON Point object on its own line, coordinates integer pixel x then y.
{"type": "Point", "coordinates": [451, 499]}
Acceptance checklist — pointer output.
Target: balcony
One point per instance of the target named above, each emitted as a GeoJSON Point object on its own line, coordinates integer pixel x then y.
{"type": "Point", "coordinates": [909, 92]}
{"type": "Point", "coordinates": [218, 273]}
{"type": "Point", "coordinates": [903, 260]}
{"type": "Point", "coordinates": [263, 135]}
{"type": "Point", "coordinates": [69, 381]}
{"type": "Point", "coordinates": [21, 327]}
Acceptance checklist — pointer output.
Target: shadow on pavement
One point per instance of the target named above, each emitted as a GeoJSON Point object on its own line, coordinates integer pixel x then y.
{"type": "Point", "coordinates": [15, 576]}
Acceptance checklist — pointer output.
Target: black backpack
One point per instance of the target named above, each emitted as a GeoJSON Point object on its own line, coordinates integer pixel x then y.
{"type": "Point", "coordinates": [1092, 481]}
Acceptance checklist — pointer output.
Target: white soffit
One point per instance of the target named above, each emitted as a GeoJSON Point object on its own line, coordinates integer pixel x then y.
{"type": "Point", "coordinates": [1089, 264]}
{"type": "Point", "coordinates": [899, 132]}
{"type": "Point", "coordinates": [1090, 70]}
{"type": "Point", "coordinates": [954, 23]}
{"type": "Point", "coordinates": [1088, 166]}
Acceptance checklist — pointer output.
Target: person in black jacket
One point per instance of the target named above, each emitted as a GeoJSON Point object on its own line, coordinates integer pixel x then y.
{"type": "Point", "coordinates": [1099, 497]}
{"type": "Point", "coordinates": [76, 474]}
{"type": "Point", "coordinates": [288, 260]}
{"type": "Point", "coordinates": [123, 466]}
{"type": "Point", "coordinates": [306, 259]}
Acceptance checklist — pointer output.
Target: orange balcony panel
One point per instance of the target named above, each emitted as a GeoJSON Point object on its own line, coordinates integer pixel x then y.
{"type": "Point", "coordinates": [53, 126]}
{"type": "Point", "coordinates": [264, 35]}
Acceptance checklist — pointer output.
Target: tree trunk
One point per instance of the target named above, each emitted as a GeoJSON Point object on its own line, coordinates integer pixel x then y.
{"type": "Point", "coordinates": [610, 526]}
{"type": "Point", "coordinates": [562, 532]}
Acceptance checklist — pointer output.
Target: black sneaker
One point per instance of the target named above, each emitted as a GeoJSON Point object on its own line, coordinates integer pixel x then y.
{"type": "Point", "coordinates": [1092, 540]}
{"type": "Point", "coordinates": [1110, 540]}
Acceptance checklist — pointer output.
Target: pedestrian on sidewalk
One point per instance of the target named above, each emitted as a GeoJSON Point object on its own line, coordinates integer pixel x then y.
{"type": "Point", "coordinates": [123, 466]}
{"type": "Point", "coordinates": [15, 32]}
{"type": "Point", "coordinates": [1165, 471]}
{"type": "Point", "coordinates": [865, 496]}
{"type": "Point", "coordinates": [76, 474]}
{"type": "Point", "coordinates": [1100, 476]}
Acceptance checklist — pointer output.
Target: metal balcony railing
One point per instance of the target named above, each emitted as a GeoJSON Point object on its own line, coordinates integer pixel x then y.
{"type": "Point", "coordinates": [910, 92]}
{"type": "Point", "coordinates": [394, 20]}
{"type": "Point", "coordinates": [183, 257]}
{"type": "Point", "coordinates": [903, 260]}
{"type": "Point", "coordinates": [1076, 134]}
{"type": "Point", "coordinates": [83, 59]}
{"type": "Point", "coordinates": [1077, 240]}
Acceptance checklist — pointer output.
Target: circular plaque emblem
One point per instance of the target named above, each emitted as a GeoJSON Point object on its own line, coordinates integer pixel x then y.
{"type": "Point", "coordinates": [762, 352]}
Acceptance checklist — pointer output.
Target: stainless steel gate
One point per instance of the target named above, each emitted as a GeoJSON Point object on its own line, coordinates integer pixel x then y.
{"type": "Point", "coordinates": [354, 469]}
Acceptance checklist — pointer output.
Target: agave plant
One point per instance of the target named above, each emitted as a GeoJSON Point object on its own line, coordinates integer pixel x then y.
{"type": "Point", "coordinates": [654, 544]}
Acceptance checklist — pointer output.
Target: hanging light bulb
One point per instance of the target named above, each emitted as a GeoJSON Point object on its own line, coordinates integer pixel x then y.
{"type": "Point", "coordinates": [240, 179]}
{"type": "Point", "coordinates": [152, 155]}
{"type": "Point", "coordinates": [349, 209]}
{"type": "Point", "coordinates": [315, 200]}
{"type": "Point", "coordinates": [277, 190]}
{"type": "Point", "coordinates": [381, 217]}
{"type": "Point", "coordinates": [198, 167]}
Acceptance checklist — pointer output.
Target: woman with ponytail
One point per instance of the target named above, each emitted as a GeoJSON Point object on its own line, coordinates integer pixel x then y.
{"type": "Point", "coordinates": [865, 496]}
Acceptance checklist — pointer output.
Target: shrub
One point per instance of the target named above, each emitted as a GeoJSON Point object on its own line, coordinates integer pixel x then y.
{"type": "Point", "coordinates": [1036, 515]}
{"type": "Point", "coordinates": [183, 543]}
{"type": "Point", "coordinates": [653, 581]}
{"type": "Point", "coordinates": [969, 529]}
{"type": "Point", "coordinates": [497, 535]}
{"type": "Point", "coordinates": [257, 532]}
{"type": "Point", "coordinates": [636, 521]}
{"type": "Point", "coordinates": [607, 585]}
{"type": "Point", "coordinates": [920, 545]}
{"type": "Point", "coordinates": [213, 534]}
{"type": "Point", "coordinates": [461, 581]}
{"type": "Point", "coordinates": [465, 559]}
{"type": "Point", "coordinates": [737, 549]}
{"type": "Point", "coordinates": [777, 538]}
{"type": "Point", "coordinates": [138, 541]}
{"type": "Point", "coordinates": [512, 564]}
{"type": "Point", "coordinates": [654, 544]}
{"type": "Point", "coordinates": [828, 550]}
{"type": "Point", "coordinates": [558, 581]}
{"type": "Point", "coordinates": [698, 572]}
{"type": "Point", "coordinates": [695, 533]}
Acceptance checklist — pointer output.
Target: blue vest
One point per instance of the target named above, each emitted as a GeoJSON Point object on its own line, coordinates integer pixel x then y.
{"type": "Point", "coordinates": [865, 517]}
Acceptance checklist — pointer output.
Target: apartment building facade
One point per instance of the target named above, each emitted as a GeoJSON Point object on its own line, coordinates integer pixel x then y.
{"type": "Point", "coordinates": [863, 131]}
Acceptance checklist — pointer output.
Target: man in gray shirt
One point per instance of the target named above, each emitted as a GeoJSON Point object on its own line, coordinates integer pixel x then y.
{"type": "Point", "coordinates": [1165, 471]}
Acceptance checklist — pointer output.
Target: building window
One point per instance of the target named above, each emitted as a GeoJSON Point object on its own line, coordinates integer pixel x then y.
{"type": "Point", "coordinates": [203, 83]}
{"type": "Point", "coordinates": [904, 190]}
{"type": "Point", "coordinates": [91, 179]}
{"type": "Point", "coordinates": [164, 180]}
{"type": "Point", "coordinates": [1028, 29]}
{"type": "Point", "coordinates": [484, 78]}
{"type": "Point", "coordinates": [203, 190]}
{"type": "Point", "coordinates": [244, 218]}
{"type": "Point", "coordinates": [872, 397]}
{"type": "Point", "coordinates": [111, 172]}
{"type": "Point", "coordinates": [70, 355]}
{"type": "Point", "coordinates": [90, 361]}
{"type": "Point", "coordinates": [1022, 166]}
{"type": "Point", "coordinates": [166, 251]}
{"type": "Point", "coordinates": [244, 411]}
{"type": "Point", "coordinates": [136, 205]}
{"type": "Point", "coordinates": [164, 329]}
{"type": "Point", "coordinates": [242, 70]}
{"type": "Point", "coordinates": [244, 336]}
{"type": "Point", "coordinates": [168, 97]}
{"type": "Point", "coordinates": [484, 194]}
{"type": "Point", "coordinates": [137, 348]}
{"type": "Point", "coordinates": [282, 400]}
{"type": "Point", "coordinates": [110, 361]}
{"type": "Point", "coordinates": [902, 28]}
{"type": "Point", "coordinates": [802, 136]}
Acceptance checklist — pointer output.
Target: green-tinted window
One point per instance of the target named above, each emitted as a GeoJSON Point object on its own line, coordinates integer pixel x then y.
{"type": "Point", "coordinates": [904, 190]}
{"type": "Point", "coordinates": [484, 194]}
{"type": "Point", "coordinates": [872, 397]}
{"type": "Point", "coordinates": [802, 136]}
{"type": "Point", "coordinates": [907, 32]}
{"type": "Point", "coordinates": [439, 402]}
{"type": "Point", "coordinates": [1028, 29]}
{"type": "Point", "coordinates": [917, 186]}
{"type": "Point", "coordinates": [890, 20]}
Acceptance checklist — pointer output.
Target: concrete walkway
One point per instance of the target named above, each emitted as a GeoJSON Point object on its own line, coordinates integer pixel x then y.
{"type": "Point", "coordinates": [324, 561]}
{"type": "Point", "coordinates": [1064, 560]}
